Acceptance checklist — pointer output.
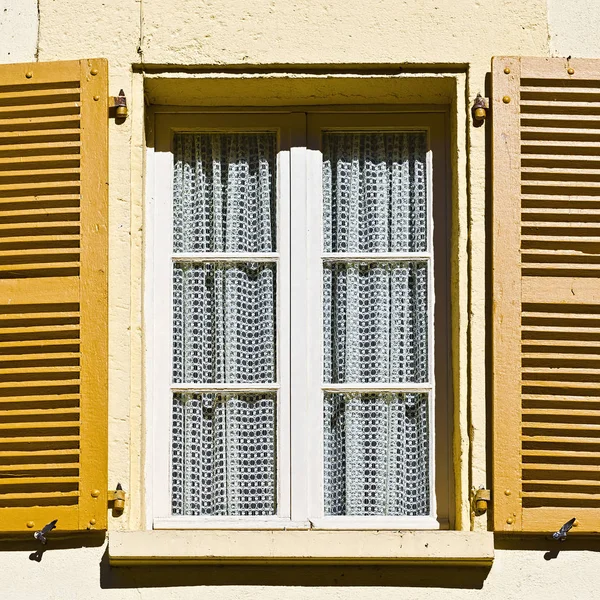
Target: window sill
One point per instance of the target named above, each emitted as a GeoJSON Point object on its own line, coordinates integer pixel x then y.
{"type": "Point", "coordinates": [448, 548]}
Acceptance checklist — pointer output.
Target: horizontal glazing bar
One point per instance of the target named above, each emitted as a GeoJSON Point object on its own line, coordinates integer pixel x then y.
{"type": "Point", "coordinates": [225, 387]}
{"type": "Point", "coordinates": [375, 256]}
{"type": "Point", "coordinates": [200, 257]}
{"type": "Point", "coordinates": [376, 387]}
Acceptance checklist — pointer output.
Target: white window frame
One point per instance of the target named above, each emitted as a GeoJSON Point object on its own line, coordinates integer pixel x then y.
{"type": "Point", "coordinates": [299, 339]}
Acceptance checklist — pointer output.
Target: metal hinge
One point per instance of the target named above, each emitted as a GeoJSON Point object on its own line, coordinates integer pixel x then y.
{"type": "Point", "coordinates": [479, 111]}
{"type": "Point", "coordinates": [116, 500]}
{"type": "Point", "coordinates": [117, 106]}
{"type": "Point", "coordinates": [481, 500]}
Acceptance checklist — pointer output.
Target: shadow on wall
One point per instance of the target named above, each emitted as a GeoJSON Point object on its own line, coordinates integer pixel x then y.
{"type": "Point", "coordinates": [152, 576]}
{"type": "Point", "coordinates": [59, 541]}
{"type": "Point", "coordinates": [550, 547]}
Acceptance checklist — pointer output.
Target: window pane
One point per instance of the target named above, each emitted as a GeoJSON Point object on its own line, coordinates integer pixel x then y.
{"type": "Point", "coordinates": [224, 192]}
{"type": "Point", "coordinates": [224, 450]}
{"type": "Point", "coordinates": [375, 192]}
{"type": "Point", "coordinates": [376, 454]}
{"type": "Point", "coordinates": [375, 323]}
{"type": "Point", "coordinates": [224, 323]}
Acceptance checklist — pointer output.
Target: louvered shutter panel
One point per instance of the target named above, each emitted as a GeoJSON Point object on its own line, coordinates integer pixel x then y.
{"type": "Point", "coordinates": [546, 293]}
{"type": "Point", "coordinates": [53, 295]}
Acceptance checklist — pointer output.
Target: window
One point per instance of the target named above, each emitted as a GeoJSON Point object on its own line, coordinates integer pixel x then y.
{"type": "Point", "coordinates": [298, 330]}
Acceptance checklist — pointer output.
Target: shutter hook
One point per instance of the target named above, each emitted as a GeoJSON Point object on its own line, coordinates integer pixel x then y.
{"type": "Point", "coordinates": [42, 533]}
{"type": "Point", "coordinates": [561, 534]}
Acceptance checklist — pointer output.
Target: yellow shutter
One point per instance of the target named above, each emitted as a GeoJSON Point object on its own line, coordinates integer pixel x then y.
{"type": "Point", "coordinates": [546, 293]}
{"type": "Point", "coordinates": [53, 295]}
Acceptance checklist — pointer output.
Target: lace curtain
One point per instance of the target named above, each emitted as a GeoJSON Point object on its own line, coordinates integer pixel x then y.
{"type": "Point", "coordinates": [375, 322]}
{"type": "Point", "coordinates": [224, 319]}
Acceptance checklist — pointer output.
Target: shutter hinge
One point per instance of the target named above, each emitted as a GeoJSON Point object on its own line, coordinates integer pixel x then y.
{"type": "Point", "coordinates": [117, 107]}
{"type": "Point", "coordinates": [481, 500]}
{"type": "Point", "coordinates": [479, 111]}
{"type": "Point", "coordinates": [116, 500]}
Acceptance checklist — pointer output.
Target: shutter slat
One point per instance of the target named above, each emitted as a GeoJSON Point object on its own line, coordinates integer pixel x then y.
{"type": "Point", "coordinates": [38, 174]}
{"type": "Point", "coordinates": [38, 385]}
{"type": "Point", "coordinates": [42, 412]}
{"type": "Point", "coordinates": [14, 481]}
{"type": "Point", "coordinates": [36, 495]}
{"type": "Point", "coordinates": [33, 134]}
{"type": "Point", "coordinates": [565, 413]}
{"type": "Point", "coordinates": [34, 96]}
{"type": "Point", "coordinates": [559, 159]}
{"type": "Point", "coordinates": [42, 467]}
{"type": "Point", "coordinates": [18, 359]}
{"type": "Point", "coordinates": [46, 160]}
{"type": "Point", "coordinates": [57, 187]}
{"type": "Point", "coordinates": [45, 456]}
{"type": "Point", "coordinates": [564, 495]}
{"type": "Point", "coordinates": [40, 241]}
{"type": "Point", "coordinates": [56, 108]}
{"type": "Point", "coordinates": [35, 439]}
{"type": "Point", "coordinates": [561, 427]}
{"type": "Point", "coordinates": [20, 318]}
{"type": "Point", "coordinates": [23, 151]}
{"type": "Point", "coordinates": [550, 439]}
{"type": "Point", "coordinates": [33, 329]}
{"type": "Point", "coordinates": [570, 453]}
{"type": "Point", "coordinates": [555, 145]}
{"type": "Point", "coordinates": [40, 425]}
{"type": "Point", "coordinates": [37, 212]}
{"type": "Point", "coordinates": [546, 296]}
{"type": "Point", "coordinates": [21, 124]}
{"type": "Point", "coordinates": [24, 344]}
{"type": "Point", "coordinates": [53, 301]}
{"type": "Point", "coordinates": [571, 469]}
{"type": "Point", "coordinates": [58, 268]}
{"type": "Point", "coordinates": [552, 483]}
{"type": "Point", "coordinates": [565, 117]}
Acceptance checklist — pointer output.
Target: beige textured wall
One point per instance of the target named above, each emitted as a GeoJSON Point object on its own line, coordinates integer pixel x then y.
{"type": "Point", "coordinates": [18, 30]}
{"type": "Point", "coordinates": [574, 28]}
{"type": "Point", "coordinates": [220, 32]}
{"type": "Point", "coordinates": [458, 36]}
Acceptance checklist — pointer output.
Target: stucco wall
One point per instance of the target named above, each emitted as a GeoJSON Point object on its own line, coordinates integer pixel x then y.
{"type": "Point", "coordinates": [574, 28]}
{"type": "Point", "coordinates": [456, 37]}
{"type": "Point", "coordinates": [18, 30]}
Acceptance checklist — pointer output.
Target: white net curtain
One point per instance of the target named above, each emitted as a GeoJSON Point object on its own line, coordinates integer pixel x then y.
{"type": "Point", "coordinates": [375, 324]}
{"type": "Point", "coordinates": [224, 323]}
{"type": "Point", "coordinates": [375, 320]}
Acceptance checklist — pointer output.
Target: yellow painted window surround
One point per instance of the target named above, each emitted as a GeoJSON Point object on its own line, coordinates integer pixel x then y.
{"type": "Point", "coordinates": [53, 295]}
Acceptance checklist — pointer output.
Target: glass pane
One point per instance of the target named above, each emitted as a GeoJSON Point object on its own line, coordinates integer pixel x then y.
{"type": "Point", "coordinates": [224, 192]}
{"type": "Point", "coordinates": [224, 323]}
{"type": "Point", "coordinates": [375, 192]}
{"type": "Point", "coordinates": [224, 452]}
{"type": "Point", "coordinates": [375, 323]}
{"type": "Point", "coordinates": [376, 454]}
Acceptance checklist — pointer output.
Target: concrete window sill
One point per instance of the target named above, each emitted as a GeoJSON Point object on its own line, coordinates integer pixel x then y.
{"type": "Point", "coordinates": [323, 547]}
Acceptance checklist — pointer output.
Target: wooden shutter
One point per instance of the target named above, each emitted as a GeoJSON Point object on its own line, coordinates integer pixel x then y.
{"type": "Point", "coordinates": [53, 295]}
{"type": "Point", "coordinates": [546, 293]}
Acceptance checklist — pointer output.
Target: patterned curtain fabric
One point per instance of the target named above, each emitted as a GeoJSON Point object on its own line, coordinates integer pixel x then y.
{"type": "Point", "coordinates": [375, 324]}
{"type": "Point", "coordinates": [224, 460]}
{"type": "Point", "coordinates": [375, 320]}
